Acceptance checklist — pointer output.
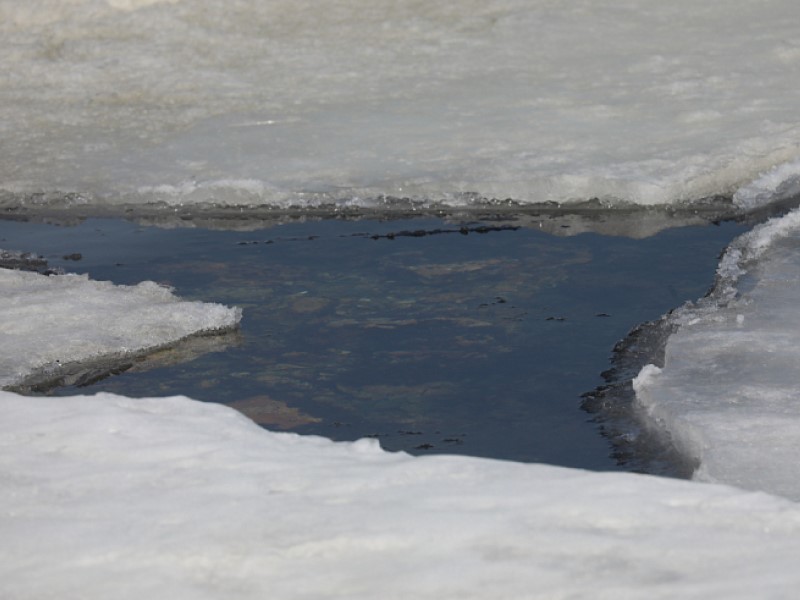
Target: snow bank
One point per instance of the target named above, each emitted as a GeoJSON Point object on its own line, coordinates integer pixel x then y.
{"type": "Point", "coordinates": [48, 323]}
{"type": "Point", "coordinates": [133, 101]}
{"type": "Point", "coordinates": [728, 392]}
{"type": "Point", "coordinates": [779, 183]}
{"type": "Point", "coordinates": [108, 496]}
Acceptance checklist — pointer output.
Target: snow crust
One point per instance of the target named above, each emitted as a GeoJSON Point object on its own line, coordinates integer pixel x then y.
{"type": "Point", "coordinates": [728, 392]}
{"type": "Point", "coordinates": [108, 496]}
{"type": "Point", "coordinates": [247, 103]}
{"type": "Point", "coordinates": [48, 322]}
{"type": "Point", "coordinates": [281, 103]}
{"type": "Point", "coordinates": [779, 183]}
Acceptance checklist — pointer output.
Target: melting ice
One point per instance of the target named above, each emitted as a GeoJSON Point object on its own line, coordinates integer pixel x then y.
{"type": "Point", "coordinates": [286, 103]}
{"type": "Point", "coordinates": [108, 496]}
{"type": "Point", "coordinates": [50, 323]}
{"type": "Point", "coordinates": [289, 103]}
{"type": "Point", "coordinates": [728, 393]}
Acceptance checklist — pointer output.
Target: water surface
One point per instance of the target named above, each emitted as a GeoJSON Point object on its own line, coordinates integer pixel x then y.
{"type": "Point", "coordinates": [473, 337]}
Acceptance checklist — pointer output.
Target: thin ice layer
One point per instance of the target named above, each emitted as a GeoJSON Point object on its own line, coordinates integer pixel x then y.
{"type": "Point", "coordinates": [108, 496]}
{"type": "Point", "coordinates": [47, 322]}
{"type": "Point", "coordinates": [728, 393]}
{"type": "Point", "coordinates": [281, 102]}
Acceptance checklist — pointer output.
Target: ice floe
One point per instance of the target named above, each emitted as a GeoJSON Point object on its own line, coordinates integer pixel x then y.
{"type": "Point", "coordinates": [728, 391]}
{"type": "Point", "coordinates": [50, 323]}
{"type": "Point", "coordinates": [280, 103]}
{"type": "Point", "coordinates": [107, 496]}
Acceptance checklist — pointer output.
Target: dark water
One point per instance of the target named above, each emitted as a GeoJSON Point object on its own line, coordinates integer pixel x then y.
{"type": "Point", "coordinates": [473, 338]}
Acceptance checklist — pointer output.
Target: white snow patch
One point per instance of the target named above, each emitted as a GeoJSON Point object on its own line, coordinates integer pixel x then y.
{"type": "Point", "coordinates": [49, 321]}
{"type": "Point", "coordinates": [132, 101]}
{"type": "Point", "coordinates": [728, 391]}
{"type": "Point", "coordinates": [107, 496]}
{"type": "Point", "coordinates": [779, 183]}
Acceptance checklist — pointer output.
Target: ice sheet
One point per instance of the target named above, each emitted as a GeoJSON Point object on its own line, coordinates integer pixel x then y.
{"type": "Point", "coordinates": [50, 322]}
{"type": "Point", "coordinates": [249, 102]}
{"type": "Point", "coordinates": [112, 497]}
{"type": "Point", "coordinates": [728, 392]}
{"type": "Point", "coordinates": [284, 103]}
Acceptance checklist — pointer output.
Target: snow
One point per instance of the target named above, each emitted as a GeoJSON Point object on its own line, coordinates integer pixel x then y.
{"type": "Point", "coordinates": [107, 496]}
{"type": "Point", "coordinates": [247, 103]}
{"type": "Point", "coordinates": [779, 183]}
{"type": "Point", "coordinates": [728, 393]}
{"type": "Point", "coordinates": [127, 102]}
{"type": "Point", "coordinates": [50, 322]}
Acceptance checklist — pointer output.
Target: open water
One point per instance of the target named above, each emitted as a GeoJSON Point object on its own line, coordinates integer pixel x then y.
{"type": "Point", "coordinates": [432, 335]}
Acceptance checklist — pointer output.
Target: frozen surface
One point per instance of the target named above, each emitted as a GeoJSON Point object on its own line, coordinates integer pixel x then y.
{"type": "Point", "coordinates": [247, 102]}
{"type": "Point", "coordinates": [50, 322]}
{"type": "Point", "coordinates": [283, 103]}
{"type": "Point", "coordinates": [729, 392]}
{"type": "Point", "coordinates": [107, 496]}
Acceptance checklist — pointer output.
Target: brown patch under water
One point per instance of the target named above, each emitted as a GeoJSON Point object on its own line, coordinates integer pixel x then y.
{"type": "Point", "coordinates": [267, 411]}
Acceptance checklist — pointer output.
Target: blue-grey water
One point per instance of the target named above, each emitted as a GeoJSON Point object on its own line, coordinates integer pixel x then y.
{"type": "Point", "coordinates": [474, 338]}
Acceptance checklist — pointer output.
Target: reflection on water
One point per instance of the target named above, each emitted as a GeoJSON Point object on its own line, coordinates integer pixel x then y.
{"type": "Point", "coordinates": [472, 338]}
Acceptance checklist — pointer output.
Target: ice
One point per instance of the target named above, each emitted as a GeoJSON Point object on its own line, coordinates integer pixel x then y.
{"type": "Point", "coordinates": [282, 103]}
{"type": "Point", "coordinates": [107, 496]}
{"type": "Point", "coordinates": [50, 323]}
{"type": "Point", "coordinates": [728, 392]}
{"type": "Point", "coordinates": [126, 102]}
{"type": "Point", "coordinates": [779, 183]}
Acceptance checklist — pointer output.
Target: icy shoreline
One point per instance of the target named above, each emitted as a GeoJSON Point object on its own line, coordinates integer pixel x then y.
{"type": "Point", "coordinates": [112, 104]}
{"type": "Point", "coordinates": [111, 496]}
{"type": "Point", "coordinates": [279, 103]}
{"type": "Point", "coordinates": [133, 497]}
{"type": "Point", "coordinates": [727, 394]}
{"type": "Point", "coordinates": [50, 324]}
